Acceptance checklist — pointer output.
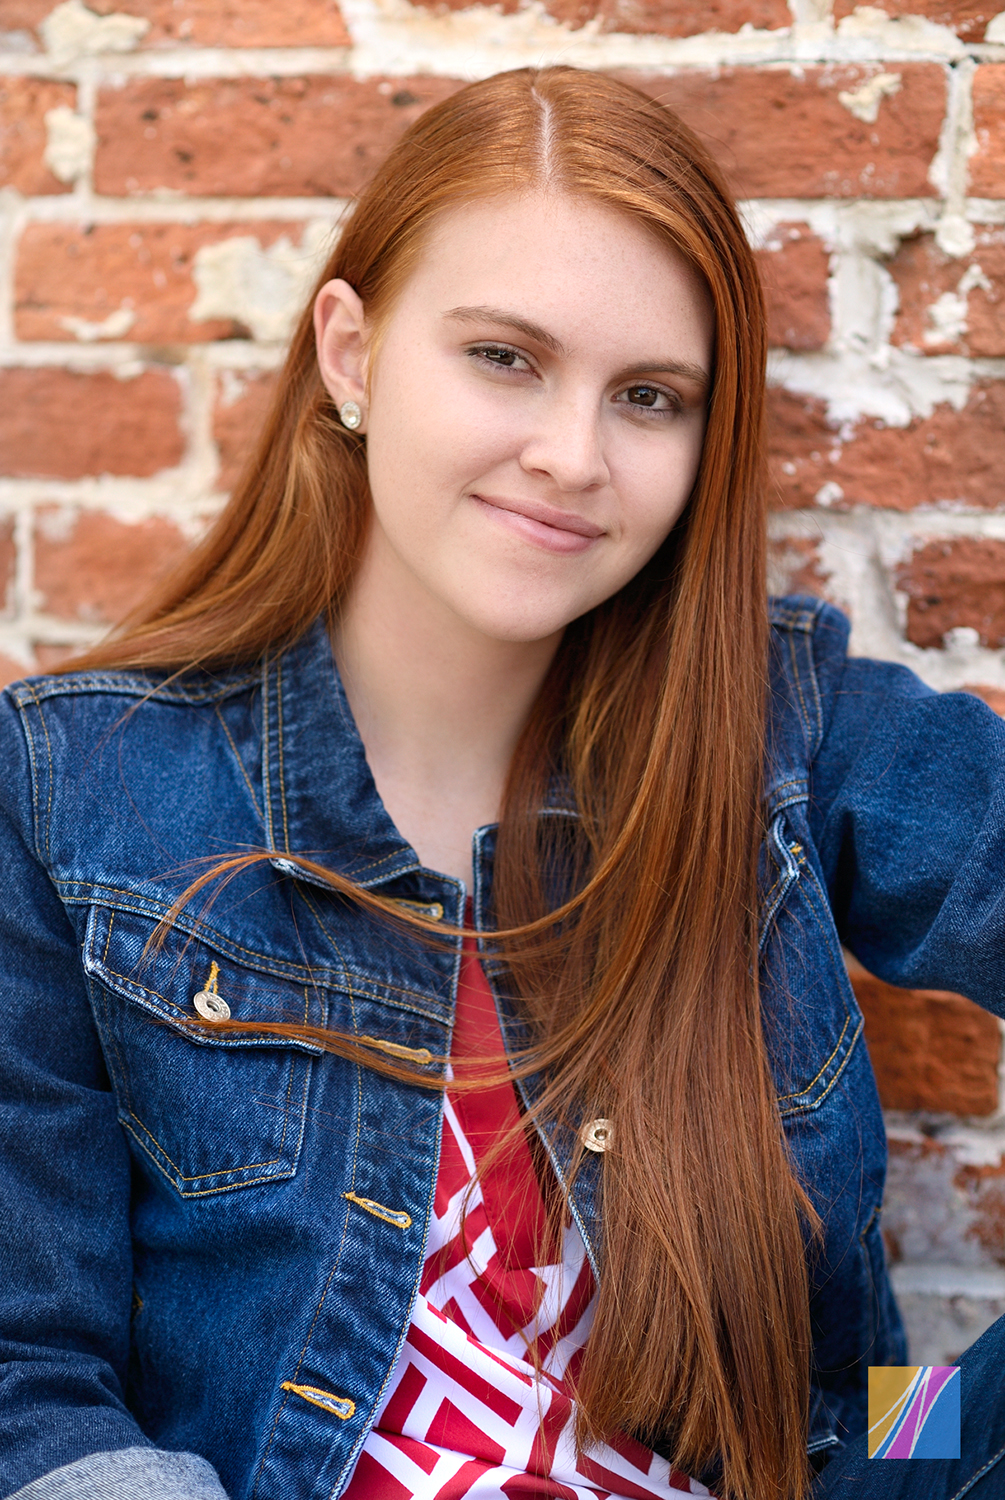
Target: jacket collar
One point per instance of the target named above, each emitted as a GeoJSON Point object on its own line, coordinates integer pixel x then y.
{"type": "Point", "coordinates": [318, 791]}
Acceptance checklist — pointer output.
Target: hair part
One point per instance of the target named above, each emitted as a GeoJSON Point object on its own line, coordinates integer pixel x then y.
{"type": "Point", "coordinates": [643, 1002]}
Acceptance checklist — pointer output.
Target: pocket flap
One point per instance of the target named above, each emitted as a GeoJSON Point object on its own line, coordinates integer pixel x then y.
{"type": "Point", "coordinates": [127, 955]}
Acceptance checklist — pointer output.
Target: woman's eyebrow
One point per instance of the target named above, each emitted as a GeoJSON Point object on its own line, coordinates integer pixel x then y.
{"type": "Point", "coordinates": [507, 320]}
{"type": "Point", "coordinates": [540, 335]}
{"type": "Point", "coordinates": [671, 367]}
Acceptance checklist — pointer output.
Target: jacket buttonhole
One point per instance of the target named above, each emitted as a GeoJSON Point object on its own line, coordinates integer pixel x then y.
{"type": "Point", "coordinates": [396, 1216]}
{"type": "Point", "coordinates": [339, 1406]}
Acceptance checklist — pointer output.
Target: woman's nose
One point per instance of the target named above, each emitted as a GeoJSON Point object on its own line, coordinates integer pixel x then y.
{"type": "Point", "coordinates": [567, 445]}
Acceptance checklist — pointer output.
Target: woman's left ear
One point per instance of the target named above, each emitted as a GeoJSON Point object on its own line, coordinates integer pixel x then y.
{"type": "Point", "coordinates": [340, 333]}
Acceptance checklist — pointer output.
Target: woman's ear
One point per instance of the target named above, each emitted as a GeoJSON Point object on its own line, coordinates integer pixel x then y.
{"type": "Point", "coordinates": [340, 331]}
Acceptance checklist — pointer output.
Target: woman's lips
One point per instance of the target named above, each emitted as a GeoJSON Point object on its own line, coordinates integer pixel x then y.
{"type": "Point", "coordinates": [544, 525]}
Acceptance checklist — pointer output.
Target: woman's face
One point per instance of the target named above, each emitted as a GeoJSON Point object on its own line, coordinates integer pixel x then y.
{"type": "Point", "coordinates": [535, 413]}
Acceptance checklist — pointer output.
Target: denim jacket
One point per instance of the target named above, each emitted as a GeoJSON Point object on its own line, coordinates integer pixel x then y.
{"type": "Point", "coordinates": [211, 1243]}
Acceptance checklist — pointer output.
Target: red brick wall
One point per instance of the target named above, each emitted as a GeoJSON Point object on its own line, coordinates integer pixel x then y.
{"type": "Point", "coordinates": [172, 168]}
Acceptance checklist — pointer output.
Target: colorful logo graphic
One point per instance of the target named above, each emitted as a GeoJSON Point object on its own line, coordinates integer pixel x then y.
{"type": "Point", "coordinates": [914, 1411]}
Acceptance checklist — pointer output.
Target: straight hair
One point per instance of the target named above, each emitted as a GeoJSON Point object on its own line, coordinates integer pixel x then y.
{"type": "Point", "coordinates": [640, 991]}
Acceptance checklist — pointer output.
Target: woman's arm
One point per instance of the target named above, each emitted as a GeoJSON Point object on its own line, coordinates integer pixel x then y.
{"type": "Point", "coordinates": [908, 813]}
{"type": "Point", "coordinates": [65, 1257]}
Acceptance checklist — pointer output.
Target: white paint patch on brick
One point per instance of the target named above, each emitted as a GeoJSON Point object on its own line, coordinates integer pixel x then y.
{"type": "Point", "coordinates": [973, 1146]}
{"type": "Point", "coordinates": [68, 208]}
{"type": "Point", "coordinates": [863, 306]}
{"type": "Point", "coordinates": [263, 289]}
{"type": "Point", "coordinates": [56, 522]}
{"type": "Point", "coordinates": [948, 313]}
{"type": "Point", "coordinates": [391, 37]}
{"type": "Point", "coordinates": [872, 29]}
{"type": "Point", "coordinates": [71, 31]}
{"type": "Point", "coordinates": [948, 171]}
{"type": "Point", "coordinates": [878, 228]}
{"type": "Point", "coordinates": [864, 102]}
{"type": "Point", "coordinates": [815, 13]}
{"type": "Point", "coordinates": [69, 143]}
{"type": "Point", "coordinates": [954, 234]}
{"type": "Point", "coordinates": [896, 388]}
{"type": "Point", "coordinates": [939, 1329]}
{"type": "Point", "coordinates": [941, 1279]}
{"type": "Point", "coordinates": [18, 42]}
{"type": "Point", "coordinates": [115, 326]}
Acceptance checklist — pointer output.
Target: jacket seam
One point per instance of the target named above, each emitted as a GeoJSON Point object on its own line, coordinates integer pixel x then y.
{"type": "Point", "coordinates": [237, 756]}
{"type": "Point", "coordinates": [812, 724]}
{"type": "Point", "coordinates": [280, 750]}
{"type": "Point", "coordinates": [48, 749]}
{"type": "Point", "coordinates": [267, 752]}
{"type": "Point", "coordinates": [849, 1018]}
{"type": "Point", "coordinates": [123, 685]}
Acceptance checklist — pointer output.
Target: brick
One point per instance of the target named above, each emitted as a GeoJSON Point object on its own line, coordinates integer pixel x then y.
{"type": "Point", "coordinates": [242, 402]}
{"type": "Point", "coordinates": [20, 20]}
{"type": "Point", "coordinates": [930, 1049]}
{"type": "Point", "coordinates": [794, 269]}
{"type": "Point", "coordinates": [795, 567]}
{"type": "Point", "coordinates": [956, 581]}
{"type": "Point", "coordinates": [983, 1189]}
{"type": "Point", "coordinates": [993, 697]}
{"type": "Point", "coordinates": [951, 305]}
{"type": "Point", "coordinates": [968, 18]}
{"type": "Point", "coordinates": [60, 424]}
{"type": "Point", "coordinates": [50, 655]}
{"type": "Point", "coordinates": [936, 1209]}
{"type": "Point", "coordinates": [8, 562]}
{"type": "Point", "coordinates": [786, 134]}
{"type": "Point", "coordinates": [234, 23]}
{"type": "Point", "coordinates": [71, 278]}
{"type": "Point", "coordinates": [660, 17]}
{"type": "Point", "coordinates": [949, 456]}
{"type": "Point", "coordinates": [23, 106]}
{"type": "Point", "coordinates": [13, 671]}
{"type": "Point", "coordinates": [254, 136]}
{"type": "Point", "coordinates": [92, 568]}
{"type": "Point", "coordinates": [987, 165]}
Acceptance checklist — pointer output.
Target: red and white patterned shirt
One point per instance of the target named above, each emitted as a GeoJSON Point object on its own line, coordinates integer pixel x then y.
{"type": "Point", "coordinates": [466, 1414]}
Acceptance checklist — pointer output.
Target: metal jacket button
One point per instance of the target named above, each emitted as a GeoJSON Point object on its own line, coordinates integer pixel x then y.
{"type": "Point", "coordinates": [597, 1135]}
{"type": "Point", "coordinates": [211, 1007]}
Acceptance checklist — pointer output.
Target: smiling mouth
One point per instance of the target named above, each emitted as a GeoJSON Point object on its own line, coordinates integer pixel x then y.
{"type": "Point", "coordinates": [547, 526]}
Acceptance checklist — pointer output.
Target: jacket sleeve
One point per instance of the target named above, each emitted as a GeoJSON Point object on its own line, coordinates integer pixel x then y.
{"type": "Point", "coordinates": [65, 1257]}
{"type": "Point", "coordinates": [908, 815]}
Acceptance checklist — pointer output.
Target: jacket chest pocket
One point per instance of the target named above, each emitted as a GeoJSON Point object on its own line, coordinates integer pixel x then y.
{"type": "Point", "coordinates": [810, 1015]}
{"type": "Point", "coordinates": [213, 1111]}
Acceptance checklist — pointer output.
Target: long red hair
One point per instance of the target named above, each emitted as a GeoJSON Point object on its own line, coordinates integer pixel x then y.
{"type": "Point", "coordinates": [643, 1002]}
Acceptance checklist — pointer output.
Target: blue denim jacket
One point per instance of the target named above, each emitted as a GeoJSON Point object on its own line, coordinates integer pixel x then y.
{"type": "Point", "coordinates": [211, 1243]}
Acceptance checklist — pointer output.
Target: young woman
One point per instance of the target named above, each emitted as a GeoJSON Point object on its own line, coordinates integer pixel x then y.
{"type": "Point", "coordinates": [303, 1199]}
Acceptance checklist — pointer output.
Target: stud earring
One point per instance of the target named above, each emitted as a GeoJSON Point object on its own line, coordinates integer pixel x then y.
{"type": "Point", "coordinates": [351, 414]}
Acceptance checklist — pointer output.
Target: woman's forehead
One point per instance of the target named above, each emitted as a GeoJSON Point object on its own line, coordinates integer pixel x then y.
{"type": "Point", "coordinates": [552, 256]}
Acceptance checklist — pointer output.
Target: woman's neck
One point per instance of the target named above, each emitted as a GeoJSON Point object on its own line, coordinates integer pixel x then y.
{"type": "Point", "coordinates": [439, 708]}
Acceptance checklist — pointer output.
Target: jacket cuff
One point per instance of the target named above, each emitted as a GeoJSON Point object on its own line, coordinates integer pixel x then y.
{"type": "Point", "coordinates": [129, 1474]}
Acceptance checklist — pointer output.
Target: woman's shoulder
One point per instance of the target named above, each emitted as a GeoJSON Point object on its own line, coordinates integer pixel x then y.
{"type": "Point", "coordinates": [114, 768]}
{"type": "Point", "coordinates": [831, 709]}
{"type": "Point", "coordinates": [826, 701]}
{"type": "Point", "coordinates": [813, 664]}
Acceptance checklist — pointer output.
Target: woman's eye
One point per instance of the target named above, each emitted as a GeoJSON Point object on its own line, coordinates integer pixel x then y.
{"type": "Point", "coordinates": [500, 356]}
{"type": "Point", "coordinates": [648, 398]}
